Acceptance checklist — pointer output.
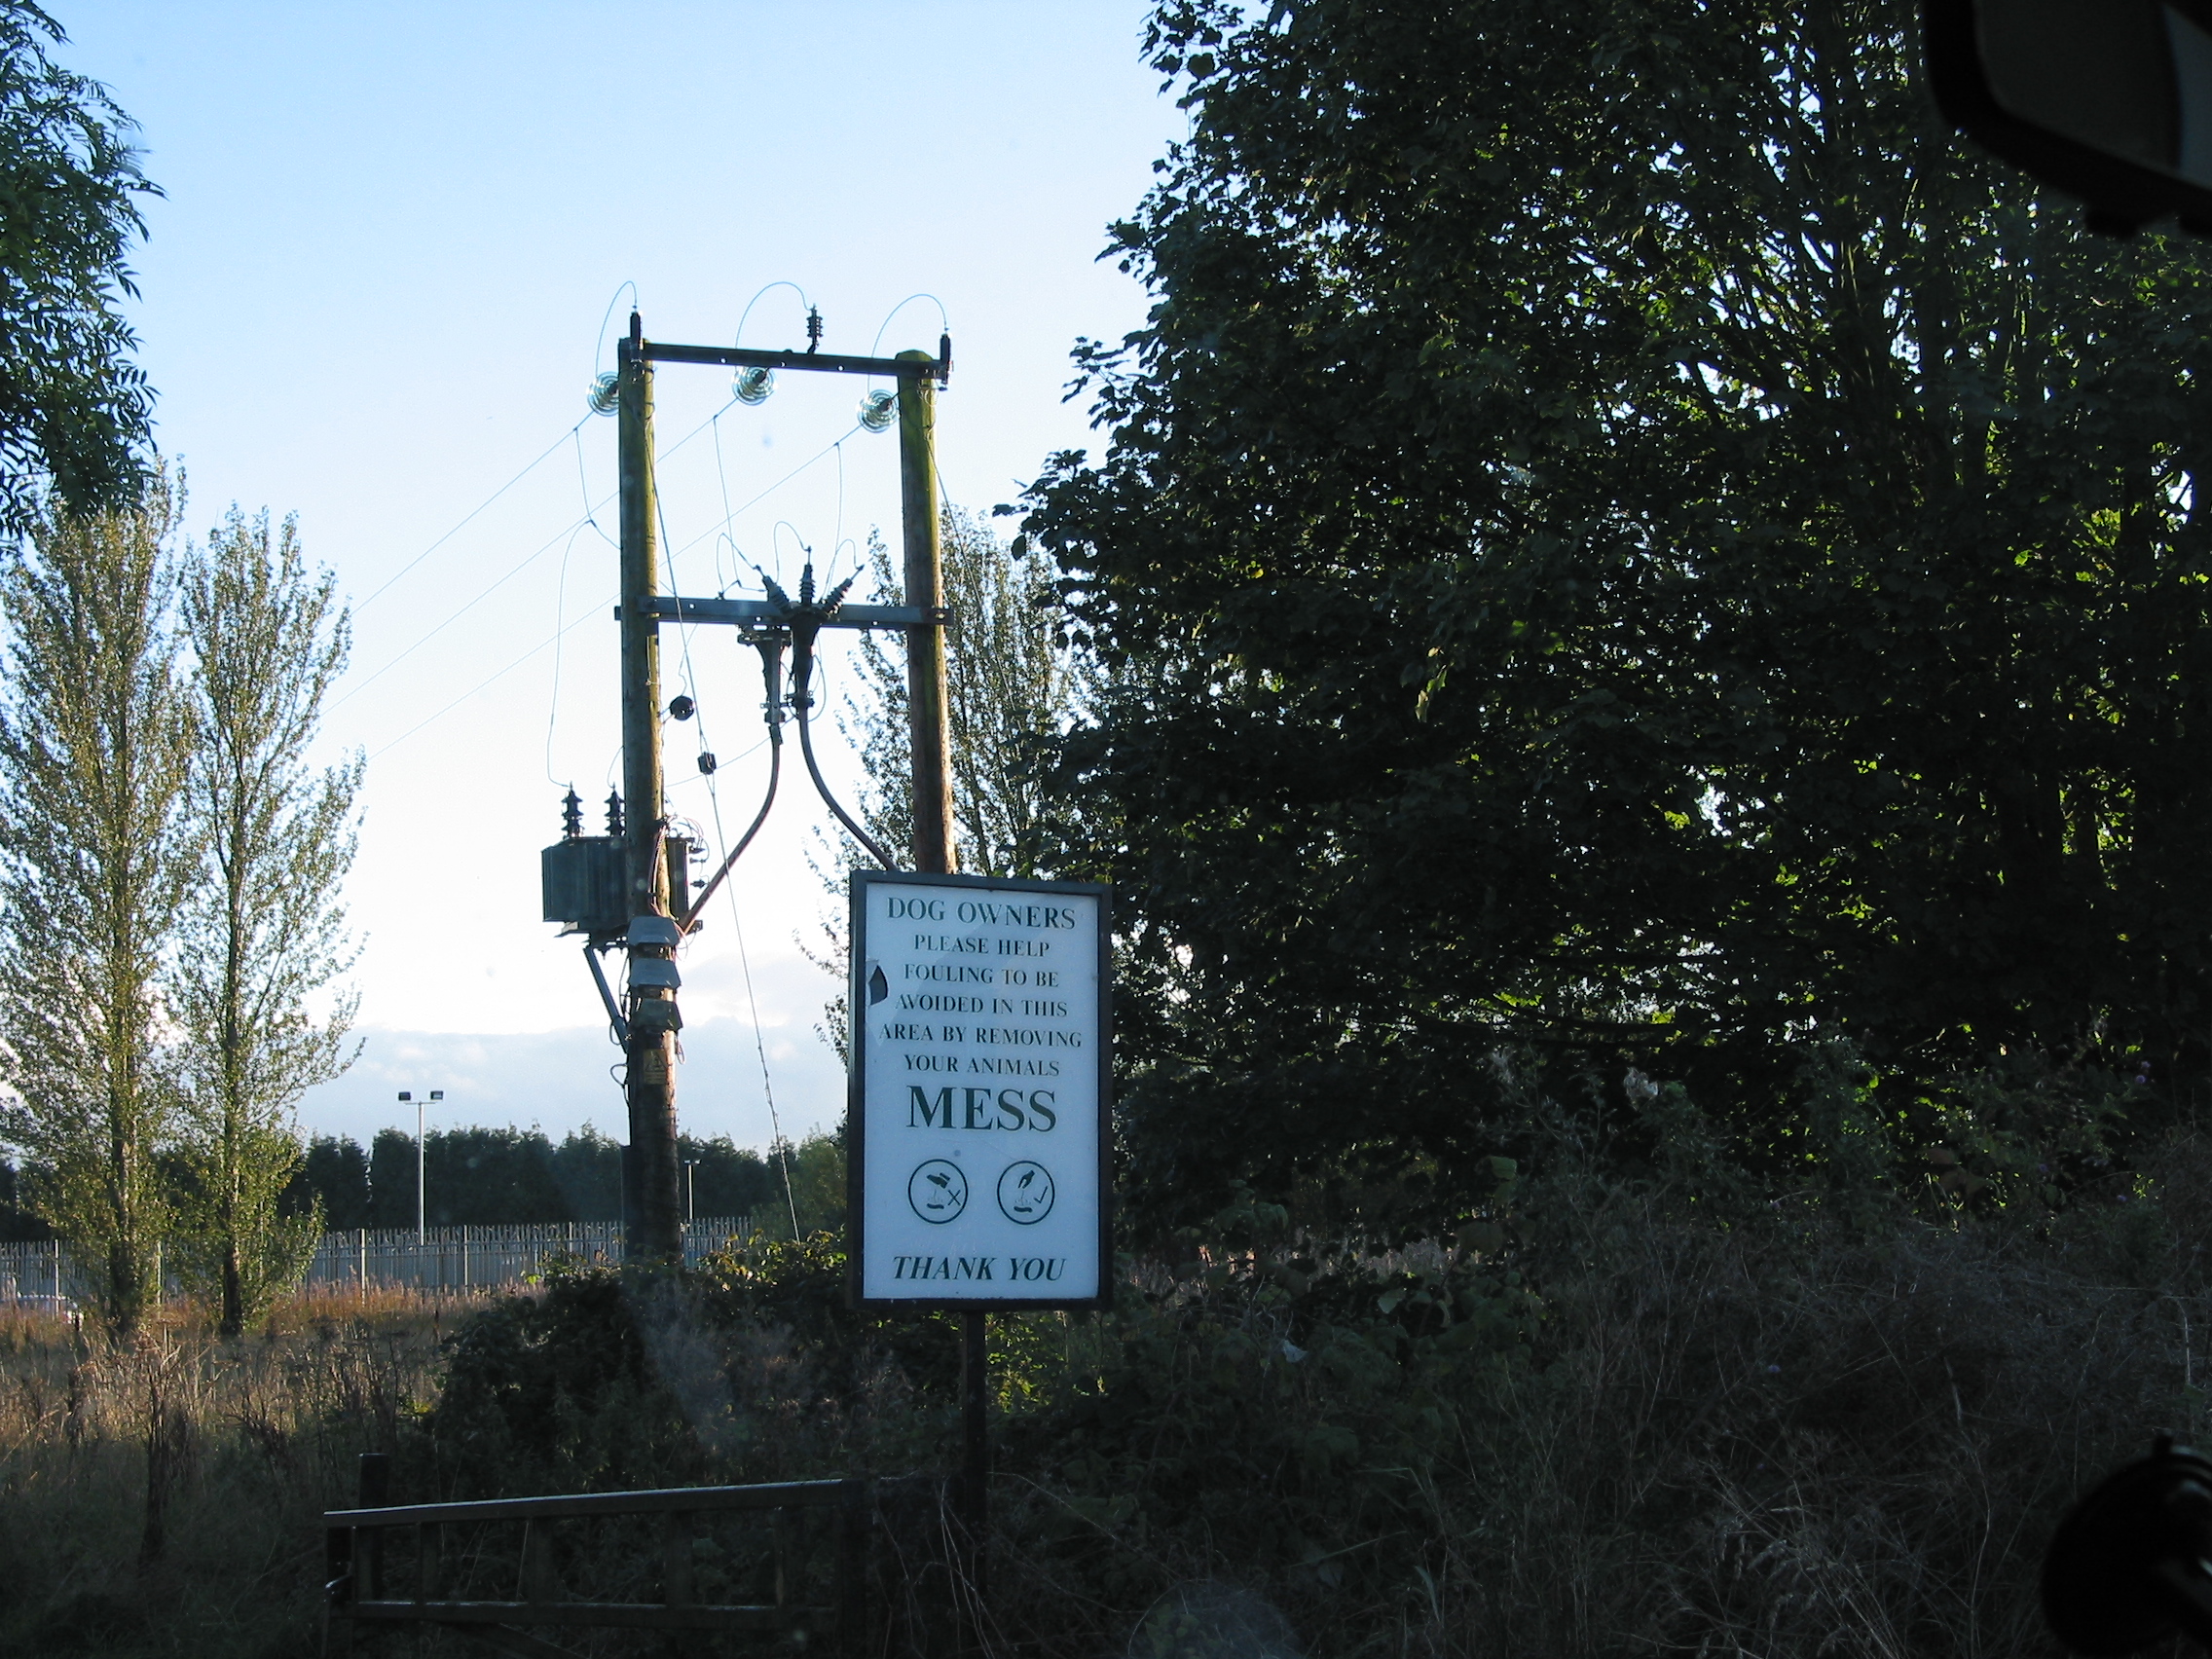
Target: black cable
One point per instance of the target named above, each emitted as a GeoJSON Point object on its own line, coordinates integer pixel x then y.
{"type": "Point", "coordinates": [771, 662]}
{"type": "Point", "coordinates": [802, 698]}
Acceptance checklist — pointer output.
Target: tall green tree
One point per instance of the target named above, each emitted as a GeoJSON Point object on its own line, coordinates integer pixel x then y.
{"type": "Point", "coordinates": [94, 865]}
{"type": "Point", "coordinates": [262, 941]}
{"type": "Point", "coordinates": [1621, 534]}
{"type": "Point", "coordinates": [1013, 687]}
{"type": "Point", "coordinates": [1013, 684]}
{"type": "Point", "coordinates": [74, 408]}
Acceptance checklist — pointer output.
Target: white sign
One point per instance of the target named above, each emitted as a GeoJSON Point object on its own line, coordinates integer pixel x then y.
{"type": "Point", "coordinates": [977, 1140]}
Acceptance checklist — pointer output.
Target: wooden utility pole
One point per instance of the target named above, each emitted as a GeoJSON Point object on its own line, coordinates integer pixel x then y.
{"type": "Point", "coordinates": [935, 852]}
{"type": "Point", "coordinates": [928, 719]}
{"type": "Point", "coordinates": [650, 1170]}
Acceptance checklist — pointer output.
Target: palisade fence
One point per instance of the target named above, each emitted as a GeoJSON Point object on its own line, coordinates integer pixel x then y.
{"type": "Point", "coordinates": [447, 1259]}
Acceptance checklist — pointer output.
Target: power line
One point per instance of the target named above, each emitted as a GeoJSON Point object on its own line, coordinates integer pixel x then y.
{"type": "Point", "coordinates": [589, 518]}
{"type": "Point", "coordinates": [746, 506]}
{"type": "Point", "coordinates": [943, 320]}
{"type": "Point", "coordinates": [568, 530]}
{"type": "Point", "coordinates": [599, 344]}
{"type": "Point", "coordinates": [753, 1005]}
{"type": "Point", "coordinates": [560, 627]}
{"type": "Point", "coordinates": [684, 635]}
{"type": "Point", "coordinates": [362, 605]}
{"type": "Point", "coordinates": [488, 680]}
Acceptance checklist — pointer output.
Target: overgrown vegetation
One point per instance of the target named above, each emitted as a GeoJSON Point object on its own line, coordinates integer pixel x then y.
{"type": "Point", "coordinates": [163, 1495]}
{"type": "Point", "coordinates": [1637, 1401]}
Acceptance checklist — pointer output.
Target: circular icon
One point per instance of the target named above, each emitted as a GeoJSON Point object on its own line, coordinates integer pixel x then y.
{"type": "Point", "coordinates": [1025, 1193]}
{"type": "Point", "coordinates": [937, 1191]}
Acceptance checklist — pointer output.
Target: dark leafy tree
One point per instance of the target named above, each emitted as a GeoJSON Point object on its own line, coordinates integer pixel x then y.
{"type": "Point", "coordinates": [730, 1180]}
{"type": "Point", "coordinates": [20, 1224]}
{"type": "Point", "coordinates": [73, 408]}
{"type": "Point", "coordinates": [474, 1177]}
{"type": "Point", "coordinates": [1622, 536]}
{"type": "Point", "coordinates": [587, 1168]}
{"type": "Point", "coordinates": [497, 1178]}
{"type": "Point", "coordinates": [334, 1174]}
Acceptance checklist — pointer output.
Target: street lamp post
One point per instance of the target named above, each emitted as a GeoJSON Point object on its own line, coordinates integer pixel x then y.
{"type": "Point", "coordinates": [690, 1208]}
{"type": "Point", "coordinates": [421, 1162]}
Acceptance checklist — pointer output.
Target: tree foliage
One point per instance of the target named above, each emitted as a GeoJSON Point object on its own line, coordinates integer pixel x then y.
{"type": "Point", "coordinates": [73, 408]}
{"type": "Point", "coordinates": [1011, 687]}
{"type": "Point", "coordinates": [263, 935]}
{"type": "Point", "coordinates": [1014, 687]}
{"type": "Point", "coordinates": [94, 867]}
{"type": "Point", "coordinates": [501, 1176]}
{"type": "Point", "coordinates": [170, 874]}
{"type": "Point", "coordinates": [1621, 535]}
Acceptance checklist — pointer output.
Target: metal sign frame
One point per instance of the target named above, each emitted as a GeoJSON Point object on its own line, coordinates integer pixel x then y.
{"type": "Point", "coordinates": [856, 1106]}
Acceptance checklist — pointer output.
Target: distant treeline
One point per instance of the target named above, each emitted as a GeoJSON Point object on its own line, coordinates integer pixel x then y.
{"type": "Point", "coordinates": [490, 1178]}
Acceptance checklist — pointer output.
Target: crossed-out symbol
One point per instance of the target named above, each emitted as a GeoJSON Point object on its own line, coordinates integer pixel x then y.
{"type": "Point", "coordinates": [937, 1191]}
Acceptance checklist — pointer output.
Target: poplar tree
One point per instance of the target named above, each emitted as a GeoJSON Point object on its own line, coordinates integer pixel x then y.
{"type": "Point", "coordinates": [1012, 685]}
{"type": "Point", "coordinates": [94, 742]}
{"type": "Point", "coordinates": [261, 941]}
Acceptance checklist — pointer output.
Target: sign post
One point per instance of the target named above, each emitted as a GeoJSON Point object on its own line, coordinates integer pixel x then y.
{"type": "Point", "coordinates": [978, 1130]}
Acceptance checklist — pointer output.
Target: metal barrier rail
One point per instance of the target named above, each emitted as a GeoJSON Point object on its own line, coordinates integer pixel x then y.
{"type": "Point", "coordinates": [357, 1591]}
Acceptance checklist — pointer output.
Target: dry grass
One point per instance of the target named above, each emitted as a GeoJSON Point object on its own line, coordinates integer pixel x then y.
{"type": "Point", "coordinates": [164, 1496]}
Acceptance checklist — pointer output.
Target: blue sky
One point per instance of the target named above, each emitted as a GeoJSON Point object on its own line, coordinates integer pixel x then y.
{"type": "Point", "coordinates": [373, 296]}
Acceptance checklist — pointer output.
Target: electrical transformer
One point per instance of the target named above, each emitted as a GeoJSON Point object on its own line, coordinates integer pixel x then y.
{"type": "Point", "coordinates": [583, 885]}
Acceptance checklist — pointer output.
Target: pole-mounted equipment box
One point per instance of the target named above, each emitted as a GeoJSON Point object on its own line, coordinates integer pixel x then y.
{"type": "Point", "coordinates": [582, 878]}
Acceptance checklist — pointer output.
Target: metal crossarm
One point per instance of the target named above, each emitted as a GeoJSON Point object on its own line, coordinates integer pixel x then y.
{"type": "Point", "coordinates": [744, 357]}
{"type": "Point", "coordinates": [767, 613]}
